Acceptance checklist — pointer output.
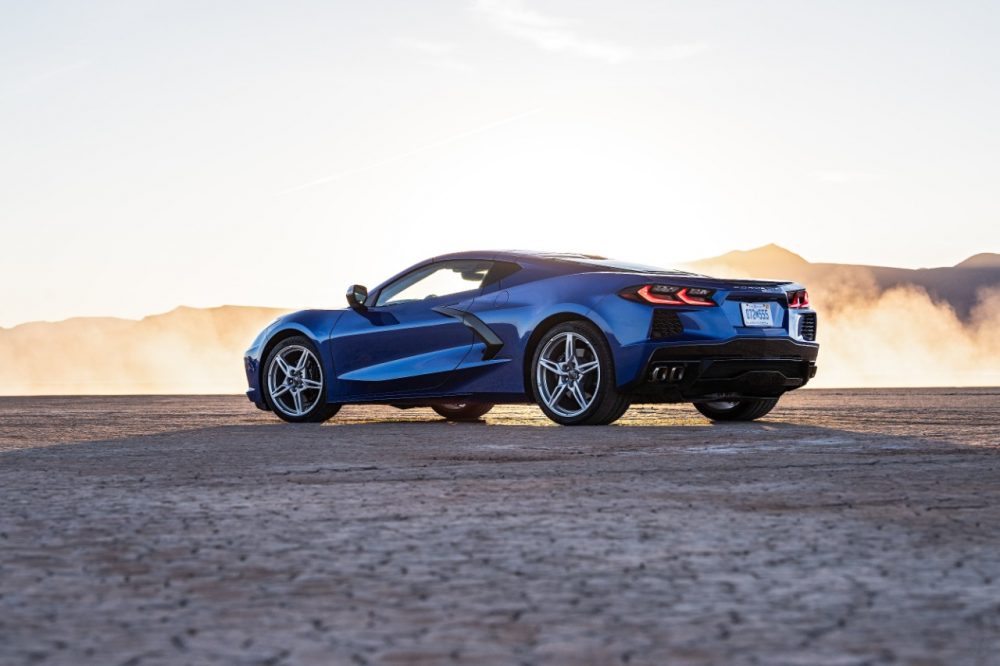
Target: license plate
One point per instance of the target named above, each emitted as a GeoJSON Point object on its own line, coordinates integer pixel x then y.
{"type": "Point", "coordinates": [757, 314]}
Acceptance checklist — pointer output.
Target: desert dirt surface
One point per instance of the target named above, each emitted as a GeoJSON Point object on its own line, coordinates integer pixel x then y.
{"type": "Point", "coordinates": [847, 527]}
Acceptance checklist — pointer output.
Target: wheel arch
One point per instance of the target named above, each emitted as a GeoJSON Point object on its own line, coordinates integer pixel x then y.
{"type": "Point", "coordinates": [276, 338]}
{"type": "Point", "coordinates": [541, 329]}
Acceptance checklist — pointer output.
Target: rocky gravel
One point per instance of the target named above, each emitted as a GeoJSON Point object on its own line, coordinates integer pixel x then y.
{"type": "Point", "coordinates": [848, 527]}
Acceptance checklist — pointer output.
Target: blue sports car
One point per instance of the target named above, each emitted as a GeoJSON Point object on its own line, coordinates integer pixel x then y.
{"type": "Point", "coordinates": [581, 336]}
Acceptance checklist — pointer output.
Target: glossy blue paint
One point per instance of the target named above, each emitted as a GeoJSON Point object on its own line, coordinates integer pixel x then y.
{"type": "Point", "coordinates": [397, 349]}
{"type": "Point", "coordinates": [410, 352]}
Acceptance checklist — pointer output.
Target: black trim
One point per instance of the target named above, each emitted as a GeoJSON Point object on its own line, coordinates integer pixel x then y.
{"type": "Point", "coordinates": [479, 328]}
{"type": "Point", "coordinates": [739, 348]}
{"type": "Point", "coordinates": [666, 324]}
{"type": "Point", "coordinates": [807, 326]}
{"type": "Point", "coordinates": [747, 368]}
{"type": "Point", "coordinates": [357, 294]}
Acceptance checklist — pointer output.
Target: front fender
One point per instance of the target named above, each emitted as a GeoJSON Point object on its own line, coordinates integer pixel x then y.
{"type": "Point", "coordinates": [315, 325]}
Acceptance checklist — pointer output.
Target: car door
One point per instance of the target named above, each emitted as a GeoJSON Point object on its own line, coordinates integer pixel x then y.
{"type": "Point", "coordinates": [405, 342]}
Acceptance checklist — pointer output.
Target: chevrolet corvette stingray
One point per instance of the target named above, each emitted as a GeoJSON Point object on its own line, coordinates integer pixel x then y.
{"type": "Point", "coordinates": [581, 336]}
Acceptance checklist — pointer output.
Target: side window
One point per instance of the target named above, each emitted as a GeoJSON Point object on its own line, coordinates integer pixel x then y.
{"type": "Point", "coordinates": [500, 271]}
{"type": "Point", "coordinates": [440, 279]}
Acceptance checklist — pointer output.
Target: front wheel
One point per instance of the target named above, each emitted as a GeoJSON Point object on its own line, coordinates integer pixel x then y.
{"type": "Point", "coordinates": [573, 376]}
{"type": "Point", "coordinates": [736, 410]}
{"type": "Point", "coordinates": [462, 411]}
{"type": "Point", "coordinates": [295, 388]}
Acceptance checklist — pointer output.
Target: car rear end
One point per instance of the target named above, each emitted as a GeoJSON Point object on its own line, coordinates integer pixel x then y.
{"type": "Point", "coordinates": [683, 338]}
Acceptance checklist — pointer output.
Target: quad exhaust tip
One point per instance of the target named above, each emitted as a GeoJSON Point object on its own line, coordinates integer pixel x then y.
{"type": "Point", "coordinates": [667, 373]}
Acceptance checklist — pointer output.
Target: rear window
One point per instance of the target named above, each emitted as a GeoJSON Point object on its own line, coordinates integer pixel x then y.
{"type": "Point", "coordinates": [616, 265]}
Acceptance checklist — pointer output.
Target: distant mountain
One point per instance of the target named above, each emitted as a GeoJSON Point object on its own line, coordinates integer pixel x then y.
{"type": "Point", "coordinates": [984, 260]}
{"type": "Point", "coordinates": [958, 285]}
{"type": "Point", "coordinates": [869, 337]}
{"type": "Point", "coordinates": [766, 258]}
{"type": "Point", "coordinates": [186, 350]}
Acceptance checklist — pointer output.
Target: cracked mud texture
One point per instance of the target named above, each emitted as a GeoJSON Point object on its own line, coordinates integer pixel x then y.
{"type": "Point", "coordinates": [848, 527]}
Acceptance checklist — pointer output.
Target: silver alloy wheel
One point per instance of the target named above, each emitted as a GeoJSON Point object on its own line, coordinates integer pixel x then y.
{"type": "Point", "coordinates": [295, 381]}
{"type": "Point", "coordinates": [723, 405]}
{"type": "Point", "coordinates": [568, 374]}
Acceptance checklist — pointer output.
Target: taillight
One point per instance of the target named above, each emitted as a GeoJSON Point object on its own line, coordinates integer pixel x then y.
{"type": "Point", "coordinates": [663, 294]}
{"type": "Point", "coordinates": [798, 299]}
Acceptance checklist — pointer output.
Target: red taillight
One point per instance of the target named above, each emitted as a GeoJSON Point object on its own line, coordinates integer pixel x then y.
{"type": "Point", "coordinates": [669, 298]}
{"type": "Point", "coordinates": [798, 299]}
{"type": "Point", "coordinates": [696, 296]}
{"type": "Point", "coordinates": [661, 294]}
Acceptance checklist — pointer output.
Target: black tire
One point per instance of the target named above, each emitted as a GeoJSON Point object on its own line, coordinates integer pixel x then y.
{"type": "Point", "coordinates": [318, 410]}
{"type": "Point", "coordinates": [741, 410]}
{"type": "Point", "coordinates": [462, 411]}
{"type": "Point", "coordinates": [606, 402]}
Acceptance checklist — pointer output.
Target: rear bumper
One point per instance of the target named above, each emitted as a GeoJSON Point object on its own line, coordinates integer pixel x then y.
{"type": "Point", "coordinates": [741, 368]}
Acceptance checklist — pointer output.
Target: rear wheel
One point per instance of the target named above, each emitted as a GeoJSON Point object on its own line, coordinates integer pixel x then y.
{"type": "Point", "coordinates": [736, 410]}
{"type": "Point", "coordinates": [462, 411]}
{"type": "Point", "coordinates": [295, 388]}
{"type": "Point", "coordinates": [573, 377]}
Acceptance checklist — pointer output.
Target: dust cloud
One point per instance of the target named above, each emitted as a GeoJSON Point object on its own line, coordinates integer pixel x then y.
{"type": "Point", "coordinates": [897, 337]}
{"type": "Point", "coordinates": [185, 351]}
{"type": "Point", "coordinates": [870, 338]}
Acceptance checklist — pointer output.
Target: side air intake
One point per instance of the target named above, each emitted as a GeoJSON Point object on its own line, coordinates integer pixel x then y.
{"type": "Point", "coordinates": [807, 326]}
{"type": "Point", "coordinates": [666, 324]}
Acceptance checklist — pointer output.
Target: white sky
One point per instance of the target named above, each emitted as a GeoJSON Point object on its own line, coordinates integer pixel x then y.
{"type": "Point", "coordinates": [154, 154]}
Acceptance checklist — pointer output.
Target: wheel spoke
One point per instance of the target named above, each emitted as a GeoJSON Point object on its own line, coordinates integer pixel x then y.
{"type": "Point", "coordinates": [569, 364]}
{"type": "Point", "coordinates": [581, 400]}
{"type": "Point", "coordinates": [554, 398]}
{"type": "Point", "coordinates": [292, 372]}
{"type": "Point", "coordinates": [551, 366]}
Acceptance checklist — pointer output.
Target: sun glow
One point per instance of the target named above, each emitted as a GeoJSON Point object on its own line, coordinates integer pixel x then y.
{"type": "Point", "coordinates": [168, 162]}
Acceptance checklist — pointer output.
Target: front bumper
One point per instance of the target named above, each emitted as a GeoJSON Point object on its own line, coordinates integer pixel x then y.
{"type": "Point", "coordinates": [740, 368]}
{"type": "Point", "coordinates": [252, 367]}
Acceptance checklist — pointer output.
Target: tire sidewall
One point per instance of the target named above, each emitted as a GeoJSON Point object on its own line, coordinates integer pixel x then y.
{"type": "Point", "coordinates": [606, 383]}
{"type": "Point", "coordinates": [747, 409]}
{"type": "Point", "coordinates": [469, 412]}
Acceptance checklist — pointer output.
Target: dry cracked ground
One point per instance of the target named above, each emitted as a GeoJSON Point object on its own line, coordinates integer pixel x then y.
{"type": "Point", "coordinates": [849, 527]}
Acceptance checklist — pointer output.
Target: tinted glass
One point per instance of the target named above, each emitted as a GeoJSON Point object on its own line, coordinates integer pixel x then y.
{"type": "Point", "coordinates": [616, 265]}
{"type": "Point", "coordinates": [441, 279]}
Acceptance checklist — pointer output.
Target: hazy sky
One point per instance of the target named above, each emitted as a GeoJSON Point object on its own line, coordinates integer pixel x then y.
{"type": "Point", "coordinates": [162, 153]}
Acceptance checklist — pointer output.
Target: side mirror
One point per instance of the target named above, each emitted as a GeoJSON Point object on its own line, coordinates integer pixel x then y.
{"type": "Point", "coordinates": [356, 296]}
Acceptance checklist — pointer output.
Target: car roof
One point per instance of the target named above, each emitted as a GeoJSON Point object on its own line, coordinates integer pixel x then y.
{"type": "Point", "coordinates": [563, 260]}
{"type": "Point", "coordinates": [514, 255]}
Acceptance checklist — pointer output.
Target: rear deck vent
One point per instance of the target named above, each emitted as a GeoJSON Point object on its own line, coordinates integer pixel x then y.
{"type": "Point", "coordinates": [666, 324]}
{"type": "Point", "coordinates": [807, 326]}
